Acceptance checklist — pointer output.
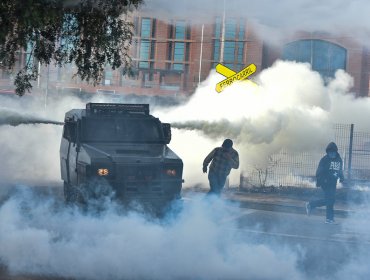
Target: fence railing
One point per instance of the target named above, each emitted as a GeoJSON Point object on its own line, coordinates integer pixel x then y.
{"type": "Point", "coordinates": [288, 168]}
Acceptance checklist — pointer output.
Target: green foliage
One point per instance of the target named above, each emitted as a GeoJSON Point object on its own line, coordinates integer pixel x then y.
{"type": "Point", "coordinates": [88, 33]}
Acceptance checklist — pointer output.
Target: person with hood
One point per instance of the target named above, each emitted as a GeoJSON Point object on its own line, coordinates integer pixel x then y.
{"type": "Point", "coordinates": [223, 159]}
{"type": "Point", "coordinates": [328, 172]}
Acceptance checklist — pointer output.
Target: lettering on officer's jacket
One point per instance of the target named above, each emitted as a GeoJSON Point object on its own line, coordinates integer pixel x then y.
{"type": "Point", "coordinates": [334, 165]}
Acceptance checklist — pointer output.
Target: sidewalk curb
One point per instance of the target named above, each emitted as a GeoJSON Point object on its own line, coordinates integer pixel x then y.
{"type": "Point", "coordinates": [291, 205]}
{"type": "Point", "coordinates": [280, 207]}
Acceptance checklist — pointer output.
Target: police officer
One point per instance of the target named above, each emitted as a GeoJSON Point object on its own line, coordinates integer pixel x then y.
{"type": "Point", "coordinates": [327, 174]}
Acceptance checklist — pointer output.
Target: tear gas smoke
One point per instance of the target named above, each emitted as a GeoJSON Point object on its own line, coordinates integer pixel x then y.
{"type": "Point", "coordinates": [30, 153]}
{"type": "Point", "coordinates": [292, 109]}
{"type": "Point", "coordinates": [38, 237]}
{"type": "Point", "coordinates": [8, 117]}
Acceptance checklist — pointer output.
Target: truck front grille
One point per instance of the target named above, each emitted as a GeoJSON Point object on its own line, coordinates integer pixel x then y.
{"type": "Point", "coordinates": [139, 173]}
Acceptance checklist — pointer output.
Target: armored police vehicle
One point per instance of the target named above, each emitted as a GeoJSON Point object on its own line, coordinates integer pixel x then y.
{"type": "Point", "coordinates": [121, 145]}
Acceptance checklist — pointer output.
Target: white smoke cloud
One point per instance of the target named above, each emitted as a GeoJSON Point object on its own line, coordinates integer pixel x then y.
{"type": "Point", "coordinates": [289, 109]}
{"type": "Point", "coordinates": [39, 237]}
{"type": "Point", "coordinates": [292, 109]}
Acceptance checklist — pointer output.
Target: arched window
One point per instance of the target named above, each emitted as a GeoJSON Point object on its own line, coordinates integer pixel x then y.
{"type": "Point", "coordinates": [324, 57]}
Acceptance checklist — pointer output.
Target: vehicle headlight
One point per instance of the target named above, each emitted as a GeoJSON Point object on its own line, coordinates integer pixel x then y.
{"type": "Point", "coordinates": [171, 172]}
{"type": "Point", "coordinates": [103, 171]}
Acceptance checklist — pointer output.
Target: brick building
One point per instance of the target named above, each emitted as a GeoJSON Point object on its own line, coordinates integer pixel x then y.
{"type": "Point", "coordinates": [171, 57]}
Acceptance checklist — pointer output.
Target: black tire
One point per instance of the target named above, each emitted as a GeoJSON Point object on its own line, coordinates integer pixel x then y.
{"type": "Point", "coordinates": [67, 192]}
{"type": "Point", "coordinates": [71, 194]}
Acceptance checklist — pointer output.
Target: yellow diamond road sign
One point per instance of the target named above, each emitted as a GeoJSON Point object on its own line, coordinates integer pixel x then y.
{"type": "Point", "coordinates": [232, 76]}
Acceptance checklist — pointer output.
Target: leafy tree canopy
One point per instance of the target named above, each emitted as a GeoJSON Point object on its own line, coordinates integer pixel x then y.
{"type": "Point", "coordinates": [88, 33]}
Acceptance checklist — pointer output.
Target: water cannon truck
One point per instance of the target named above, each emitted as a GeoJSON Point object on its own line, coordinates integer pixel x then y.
{"type": "Point", "coordinates": [121, 145]}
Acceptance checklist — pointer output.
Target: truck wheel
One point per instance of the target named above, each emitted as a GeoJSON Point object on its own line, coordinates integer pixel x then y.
{"type": "Point", "coordinates": [67, 192]}
{"type": "Point", "coordinates": [70, 194]}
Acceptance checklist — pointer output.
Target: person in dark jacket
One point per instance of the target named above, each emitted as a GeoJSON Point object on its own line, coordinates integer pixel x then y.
{"type": "Point", "coordinates": [223, 160]}
{"type": "Point", "coordinates": [328, 172]}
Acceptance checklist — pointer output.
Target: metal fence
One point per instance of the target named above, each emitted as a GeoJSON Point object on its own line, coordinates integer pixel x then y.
{"type": "Point", "coordinates": [288, 168]}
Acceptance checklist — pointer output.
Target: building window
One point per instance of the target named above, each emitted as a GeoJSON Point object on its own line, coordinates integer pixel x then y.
{"type": "Point", "coordinates": [145, 28]}
{"type": "Point", "coordinates": [180, 29]}
{"type": "Point", "coordinates": [144, 64]}
{"type": "Point", "coordinates": [229, 65]}
{"type": "Point", "coordinates": [216, 50]}
{"type": "Point", "coordinates": [108, 77]}
{"type": "Point", "coordinates": [147, 45]}
{"type": "Point", "coordinates": [240, 52]}
{"type": "Point", "coordinates": [239, 67]}
{"type": "Point", "coordinates": [229, 52]}
{"type": "Point", "coordinates": [324, 57]}
{"type": "Point", "coordinates": [144, 50]}
{"type": "Point", "coordinates": [178, 66]}
{"type": "Point", "coordinates": [144, 54]}
{"type": "Point", "coordinates": [179, 50]}
{"type": "Point", "coordinates": [233, 44]}
{"type": "Point", "coordinates": [178, 55]}
{"type": "Point", "coordinates": [230, 29]}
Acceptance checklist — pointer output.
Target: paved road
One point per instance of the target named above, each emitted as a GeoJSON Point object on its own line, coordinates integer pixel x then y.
{"type": "Point", "coordinates": [321, 248]}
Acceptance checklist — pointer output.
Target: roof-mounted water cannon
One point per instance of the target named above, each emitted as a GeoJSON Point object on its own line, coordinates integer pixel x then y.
{"type": "Point", "coordinates": [114, 109]}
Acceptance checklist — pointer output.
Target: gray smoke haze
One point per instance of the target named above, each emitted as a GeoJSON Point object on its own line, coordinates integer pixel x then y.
{"type": "Point", "coordinates": [274, 19]}
{"type": "Point", "coordinates": [39, 237]}
{"type": "Point", "coordinates": [30, 153]}
{"type": "Point", "coordinates": [358, 225]}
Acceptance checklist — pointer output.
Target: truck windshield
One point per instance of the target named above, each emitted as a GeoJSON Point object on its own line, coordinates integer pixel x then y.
{"type": "Point", "coordinates": [122, 130]}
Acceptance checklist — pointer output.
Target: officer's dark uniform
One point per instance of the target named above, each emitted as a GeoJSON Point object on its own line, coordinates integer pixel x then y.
{"type": "Point", "coordinates": [328, 172]}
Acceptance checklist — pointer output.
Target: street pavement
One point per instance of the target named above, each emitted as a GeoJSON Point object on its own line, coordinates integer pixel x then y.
{"type": "Point", "coordinates": [284, 203]}
{"type": "Point", "coordinates": [277, 220]}
{"type": "Point", "coordinates": [288, 202]}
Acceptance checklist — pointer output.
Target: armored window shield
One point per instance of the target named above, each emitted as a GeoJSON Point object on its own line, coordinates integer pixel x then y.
{"type": "Point", "coordinates": [122, 130]}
